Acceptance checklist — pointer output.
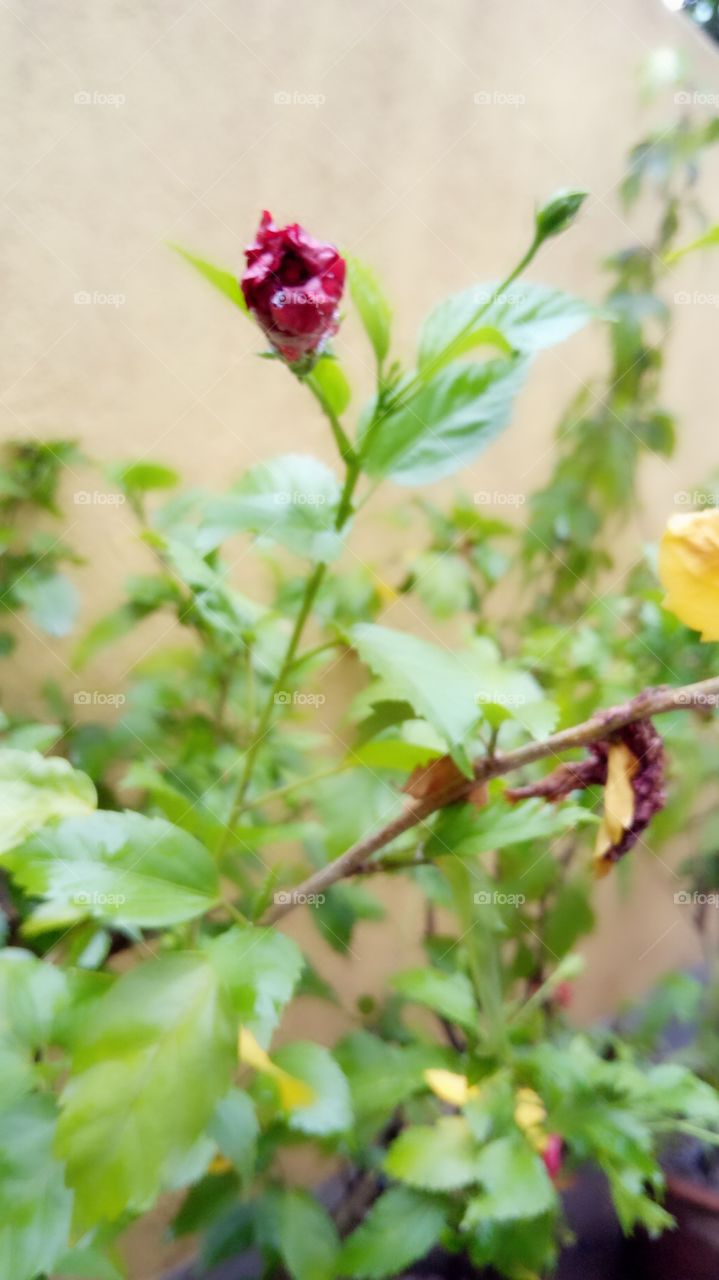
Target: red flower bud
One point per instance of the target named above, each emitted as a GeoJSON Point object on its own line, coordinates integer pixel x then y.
{"type": "Point", "coordinates": [292, 285]}
{"type": "Point", "coordinates": [552, 1155]}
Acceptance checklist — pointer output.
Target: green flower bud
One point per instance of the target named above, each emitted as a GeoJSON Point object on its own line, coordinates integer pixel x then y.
{"type": "Point", "coordinates": [559, 212]}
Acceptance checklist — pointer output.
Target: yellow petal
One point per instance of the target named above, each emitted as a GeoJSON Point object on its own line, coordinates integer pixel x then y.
{"type": "Point", "coordinates": [450, 1087]}
{"type": "Point", "coordinates": [293, 1092]}
{"type": "Point", "coordinates": [529, 1111]}
{"type": "Point", "coordinates": [689, 570]}
{"type": "Point", "coordinates": [622, 764]}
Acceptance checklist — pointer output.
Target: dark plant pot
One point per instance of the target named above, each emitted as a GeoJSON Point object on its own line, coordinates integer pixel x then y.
{"type": "Point", "coordinates": [599, 1253]}
{"type": "Point", "coordinates": [692, 1250]}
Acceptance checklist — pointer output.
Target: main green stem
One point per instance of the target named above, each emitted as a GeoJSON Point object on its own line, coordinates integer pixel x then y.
{"type": "Point", "coordinates": [312, 586]}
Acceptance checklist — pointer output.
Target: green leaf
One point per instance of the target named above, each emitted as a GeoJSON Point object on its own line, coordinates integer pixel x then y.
{"type": "Point", "coordinates": [292, 499]}
{"type": "Point", "coordinates": [225, 281]}
{"type": "Point", "coordinates": [259, 969]}
{"type": "Point", "coordinates": [449, 421]}
{"type": "Point", "coordinates": [235, 1129]}
{"type": "Point", "coordinates": [383, 1075]}
{"type": "Point", "coordinates": [36, 1204]}
{"type": "Point", "coordinates": [141, 477]}
{"type": "Point", "coordinates": [107, 630]}
{"type": "Point", "coordinates": [448, 994]}
{"type": "Point", "coordinates": [435, 1157]}
{"type": "Point", "coordinates": [330, 1111]}
{"type": "Point", "coordinates": [466, 831]}
{"type": "Point", "coordinates": [401, 1227]}
{"type": "Point", "coordinates": [51, 601]}
{"type": "Point", "coordinates": [505, 691]}
{"type": "Point", "coordinates": [120, 867]}
{"type": "Point", "coordinates": [515, 1180]}
{"type": "Point", "coordinates": [569, 917]}
{"type": "Point", "coordinates": [374, 310]}
{"type": "Point", "coordinates": [529, 317]}
{"type": "Point", "coordinates": [393, 753]}
{"type": "Point", "coordinates": [307, 1237]}
{"type": "Point", "coordinates": [438, 684]}
{"type": "Point", "coordinates": [148, 1070]}
{"type": "Point", "coordinates": [33, 790]}
{"type": "Point", "coordinates": [32, 994]}
{"type": "Point", "coordinates": [329, 380]}
{"type": "Point", "coordinates": [705, 241]}
{"type": "Point", "coordinates": [85, 1262]}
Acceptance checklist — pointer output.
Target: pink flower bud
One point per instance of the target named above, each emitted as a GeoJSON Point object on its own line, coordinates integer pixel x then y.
{"type": "Point", "coordinates": [292, 286]}
{"type": "Point", "coordinates": [552, 1155]}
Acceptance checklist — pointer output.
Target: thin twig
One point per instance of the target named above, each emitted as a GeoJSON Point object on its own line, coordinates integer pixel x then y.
{"type": "Point", "coordinates": [650, 702]}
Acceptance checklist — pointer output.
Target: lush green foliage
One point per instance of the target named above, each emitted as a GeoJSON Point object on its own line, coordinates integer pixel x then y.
{"type": "Point", "coordinates": [140, 990]}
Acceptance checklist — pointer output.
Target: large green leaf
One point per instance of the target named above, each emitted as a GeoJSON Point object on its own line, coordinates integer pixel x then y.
{"type": "Point", "coordinates": [448, 994]}
{"type": "Point", "coordinates": [122, 867]}
{"type": "Point", "coordinates": [148, 1070]}
{"type": "Point", "coordinates": [515, 1181]}
{"type": "Point", "coordinates": [330, 1111]}
{"type": "Point", "coordinates": [373, 308]}
{"type": "Point", "coordinates": [292, 499]}
{"type": "Point", "coordinates": [32, 994]}
{"type": "Point", "coordinates": [36, 1204]}
{"type": "Point", "coordinates": [466, 831]}
{"type": "Point", "coordinates": [447, 423]}
{"type": "Point", "coordinates": [401, 1227]}
{"type": "Point", "coordinates": [33, 790]}
{"type": "Point", "coordinates": [435, 1157]}
{"type": "Point", "coordinates": [528, 316]}
{"type": "Point", "coordinates": [307, 1237]}
{"type": "Point", "coordinates": [259, 969]}
{"type": "Point", "coordinates": [440, 686]}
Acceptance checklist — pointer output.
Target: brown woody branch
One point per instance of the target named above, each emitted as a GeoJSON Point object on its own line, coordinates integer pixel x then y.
{"type": "Point", "coordinates": [648, 703]}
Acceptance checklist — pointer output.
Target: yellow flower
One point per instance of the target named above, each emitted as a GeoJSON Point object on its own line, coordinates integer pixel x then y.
{"type": "Point", "coordinates": [689, 570]}
{"type": "Point", "coordinates": [293, 1092]}
{"type": "Point", "coordinates": [450, 1087]}
{"type": "Point", "coordinates": [530, 1114]}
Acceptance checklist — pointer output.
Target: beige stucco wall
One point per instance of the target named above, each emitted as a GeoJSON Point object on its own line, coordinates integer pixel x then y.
{"type": "Point", "coordinates": [183, 139]}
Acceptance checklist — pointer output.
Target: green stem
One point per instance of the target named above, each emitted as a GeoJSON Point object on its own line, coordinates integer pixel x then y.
{"type": "Point", "coordinates": [342, 440]}
{"type": "Point", "coordinates": [312, 586]}
{"type": "Point", "coordinates": [298, 783]}
{"type": "Point", "coordinates": [416, 382]}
